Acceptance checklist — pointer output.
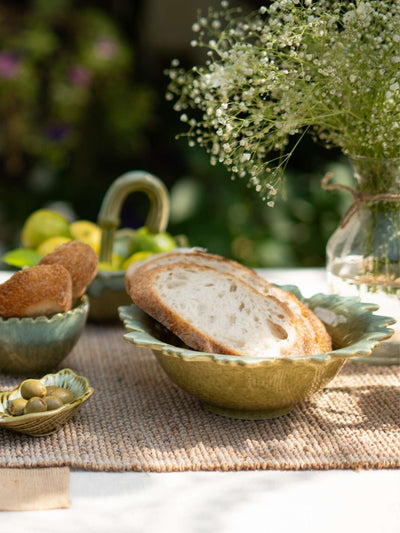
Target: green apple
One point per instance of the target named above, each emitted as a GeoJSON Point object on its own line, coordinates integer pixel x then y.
{"type": "Point", "coordinates": [143, 240]}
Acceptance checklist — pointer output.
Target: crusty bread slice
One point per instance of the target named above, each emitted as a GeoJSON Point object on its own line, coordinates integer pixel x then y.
{"type": "Point", "coordinates": [39, 290]}
{"type": "Point", "coordinates": [314, 332]}
{"type": "Point", "coordinates": [79, 259]}
{"type": "Point", "coordinates": [217, 312]}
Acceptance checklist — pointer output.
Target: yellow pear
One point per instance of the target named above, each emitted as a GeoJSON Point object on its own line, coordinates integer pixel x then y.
{"type": "Point", "coordinates": [87, 232]}
{"type": "Point", "coordinates": [41, 225]}
{"type": "Point", "coordinates": [49, 245]}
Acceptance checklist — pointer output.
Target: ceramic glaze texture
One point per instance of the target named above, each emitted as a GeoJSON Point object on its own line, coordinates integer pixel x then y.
{"type": "Point", "coordinates": [31, 346]}
{"type": "Point", "coordinates": [107, 291]}
{"type": "Point", "coordinates": [257, 388]}
{"type": "Point", "coordinates": [38, 424]}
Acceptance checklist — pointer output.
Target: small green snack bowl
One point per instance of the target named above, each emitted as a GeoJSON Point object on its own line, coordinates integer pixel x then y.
{"type": "Point", "coordinates": [47, 422]}
{"type": "Point", "coordinates": [259, 388]}
{"type": "Point", "coordinates": [33, 346]}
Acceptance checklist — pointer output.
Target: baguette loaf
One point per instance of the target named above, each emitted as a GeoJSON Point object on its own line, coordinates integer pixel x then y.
{"type": "Point", "coordinates": [215, 311]}
{"type": "Point", "coordinates": [316, 338]}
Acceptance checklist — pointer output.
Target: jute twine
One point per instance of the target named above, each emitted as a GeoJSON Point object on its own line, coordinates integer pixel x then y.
{"type": "Point", "coordinates": [138, 420]}
{"type": "Point", "coordinates": [359, 197]}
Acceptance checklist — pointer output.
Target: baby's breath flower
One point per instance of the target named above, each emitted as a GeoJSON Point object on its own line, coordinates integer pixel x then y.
{"type": "Point", "coordinates": [329, 68]}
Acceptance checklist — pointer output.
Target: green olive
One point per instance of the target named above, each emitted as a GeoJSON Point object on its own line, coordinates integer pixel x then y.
{"type": "Point", "coordinates": [32, 387]}
{"type": "Point", "coordinates": [17, 406]}
{"type": "Point", "coordinates": [65, 395]}
{"type": "Point", "coordinates": [35, 405]}
{"type": "Point", "coordinates": [53, 402]}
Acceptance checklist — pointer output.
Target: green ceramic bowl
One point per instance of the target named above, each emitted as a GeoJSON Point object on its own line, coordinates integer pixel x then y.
{"type": "Point", "coordinates": [38, 424]}
{"type": "Point", "coordinates": [106, 293]}
{"type": "Point", "coordinates": [32, 346]}
{"type": "Point", "coordinates": [255, 388]}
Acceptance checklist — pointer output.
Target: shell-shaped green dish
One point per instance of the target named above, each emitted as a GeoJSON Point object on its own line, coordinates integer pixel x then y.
{"type": "Point", "coordinates": [33, 346]}
{"type": "Point", "coordinates": [257, 388]}
{"type": "Point", "coordinates": [39, 424]}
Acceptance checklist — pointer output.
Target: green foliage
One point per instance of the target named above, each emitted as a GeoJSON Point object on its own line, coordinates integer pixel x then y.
{"type": "Point", "coordinates": [73, 117]}
{"type": "Point", "coordinates": [330, 68]}
{"type": "Point", "coordinates": [230, 218]}
{"type": "Point", "coordinates": [58, 63]}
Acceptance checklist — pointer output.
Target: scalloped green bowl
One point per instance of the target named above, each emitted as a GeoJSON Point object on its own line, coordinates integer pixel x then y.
{"type": "Point", "coordinates": [258, 388]}
{"type": "Point", "coordinates": [32, 346]}
{"type": "Point", "coordinates": [39, 424]}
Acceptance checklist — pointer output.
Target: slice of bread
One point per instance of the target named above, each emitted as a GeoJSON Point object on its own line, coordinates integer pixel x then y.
{"type": "Point", "coordinates": [35, 291]}
{"type": "Point", "coordinates": [218, 312]}
{"type": "Point", "coordinates": [316, 338]}
{"type": "Point", "coordinates": [79, 259]}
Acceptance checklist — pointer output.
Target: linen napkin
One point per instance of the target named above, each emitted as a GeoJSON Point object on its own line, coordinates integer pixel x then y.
{"type": "Point", "coordinates": [34, 489]}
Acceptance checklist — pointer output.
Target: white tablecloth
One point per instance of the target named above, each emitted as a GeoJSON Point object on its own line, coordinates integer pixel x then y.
{"type": "Point", "coordinates": [274, 501]}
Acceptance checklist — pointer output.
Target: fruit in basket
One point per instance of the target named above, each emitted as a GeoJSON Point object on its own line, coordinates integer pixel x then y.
{"type": "Point", "coordinates": [41, 225]}
{"type": "Point", "coordinates": [44, 231]}
{"type": "Point", "coordinates": [134, 258]}
{"type": "Point", "coordinates": [143, 240]}
{"type": "Point", "coordinates": [49, 245]}
{"type": "Point", "coordinates": [87, 232]}
{"type": "Point", "coordinates": [114, 266]}
{"type": "Point", "coordinates": [136, 245]}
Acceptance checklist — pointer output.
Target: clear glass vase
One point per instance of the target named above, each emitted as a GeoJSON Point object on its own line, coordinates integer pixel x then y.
{"type": "Point", "coordinates": [363, 255]}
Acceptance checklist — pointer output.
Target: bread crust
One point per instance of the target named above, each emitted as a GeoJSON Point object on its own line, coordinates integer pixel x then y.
{"type": "Point", "coordinates": [39, 290]}
{"type": "Point", "coordinates": [315, 336]}
{"type": "Point", "coordinates": [79, 259]}
{"type": "Point", "coordinates": [141, 282]}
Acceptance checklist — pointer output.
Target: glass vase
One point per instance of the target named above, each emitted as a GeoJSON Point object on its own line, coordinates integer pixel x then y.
{"type": "Point", "coordinates": [363, 255]}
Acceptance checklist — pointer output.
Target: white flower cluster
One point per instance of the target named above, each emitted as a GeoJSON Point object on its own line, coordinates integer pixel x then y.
{"type": "Point", "coordinates": [330, 67]}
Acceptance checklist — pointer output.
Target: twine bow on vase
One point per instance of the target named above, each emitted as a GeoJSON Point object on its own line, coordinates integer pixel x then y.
{"type": "Point", "coordinates": [359, 197]}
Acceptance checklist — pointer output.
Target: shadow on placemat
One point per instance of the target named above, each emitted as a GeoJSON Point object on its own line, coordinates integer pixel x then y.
{"type": "Point", "coordinates": [138, 420]}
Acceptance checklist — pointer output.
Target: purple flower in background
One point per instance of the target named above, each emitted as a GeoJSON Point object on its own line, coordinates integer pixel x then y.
{"type": "Point", "coordinates": [57, 132]}
{"type": "Point", "coordinates": [106, 48]}
{"type": "Point", "coordinates": [79, 76]}
{"type": "Point", "coordinates": [9, 65]}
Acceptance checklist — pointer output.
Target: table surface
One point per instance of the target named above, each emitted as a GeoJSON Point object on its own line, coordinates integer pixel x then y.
{"type": "Point", "coordinates": [278, 501]}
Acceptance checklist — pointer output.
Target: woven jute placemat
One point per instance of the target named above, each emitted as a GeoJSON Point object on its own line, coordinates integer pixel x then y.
{"type": "Point", "coordinates": [138, 420]}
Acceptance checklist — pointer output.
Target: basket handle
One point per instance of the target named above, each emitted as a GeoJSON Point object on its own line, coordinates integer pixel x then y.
{"type": "Point", "coordinates": [109, 219]}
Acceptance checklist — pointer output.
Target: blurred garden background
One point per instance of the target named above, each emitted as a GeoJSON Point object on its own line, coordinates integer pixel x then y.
{"type": "Point", "coordinates": [82, 100]}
